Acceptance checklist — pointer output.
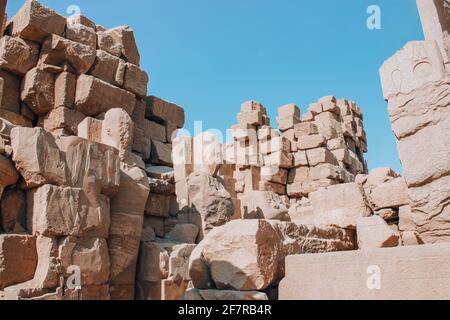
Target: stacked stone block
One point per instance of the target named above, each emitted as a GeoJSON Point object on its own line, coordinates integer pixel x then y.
{"type": "Point", "coordinates": [81, 143]}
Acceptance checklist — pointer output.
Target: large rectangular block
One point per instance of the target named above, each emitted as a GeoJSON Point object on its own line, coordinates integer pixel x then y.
{"type": "Point", "coordinates": [58, 211]}
{"type": "Point", "coordinates": [402, 273]}
{"type": "Point", "coordinates": [18, 259]}
{"type": "Point", "coordinates": [94, 96]}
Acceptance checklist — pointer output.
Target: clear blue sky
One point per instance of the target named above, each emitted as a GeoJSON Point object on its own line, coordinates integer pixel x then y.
{"type": "Point", "coordinates": [211, 55]}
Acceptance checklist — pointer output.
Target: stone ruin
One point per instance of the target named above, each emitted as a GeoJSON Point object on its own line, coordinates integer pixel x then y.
{"type": "Point", "coordinates": [97, 182]}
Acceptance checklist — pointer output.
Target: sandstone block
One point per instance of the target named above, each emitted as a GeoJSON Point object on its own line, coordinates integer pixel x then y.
{"type": "Point", "coordinates": [59, 211]}
{"type": "Point", "coordinates": [405, 271]}
{"type": "Point", "coordinates": [107, 43]}
{"type": "Point", "coordinates": [286, 123]}
{"type": "Point", "coordinates": [311, 142]}
{"type": "Point", "coordinates": [18, 259]}
{"type": "Point", "coordinates": [8, 173]}
{"type": "Point", "coordinates": [373, 232]}
{"type": "Point", "coordinates": [320, 155]}
{"type": "Point", "coordinates": [35, 22]}
{"type": "Point", "coordinates": [153, 262]}
{"type": "Point", "coordinates": [37, 157]}
{"type": "Point", "coordinates": [392, 194]}
{"type": "Point", "coordinates": [108, 68]}
{"type": "Point", "coordinates": [305, 129]}
{"type": "Point", "coordinates": [90, 255]}
{"type": "Point", "coordinates": [63, 119]}
{"type": "Point", "coordinates": [278, 144]}
{"type": "Point", "coordinates": [211, 200]}
{"type": "Point", "coordinates": [124, 37]}
{"type": "Point", "coordinates": [263, 205]}
{"type": "Point", "coordinates": [56, 51]}
{"type": "Point", "coordinates": [82, 34]}
{"type": "Point", "coordinates": [92, 166]}
{"type": "Point", "coordinates": [38, 90]}
{"type": "Point", "coordinates": [160, 110]}
{"type": "Point", "coordinates": [289, 110]}
{"type": "Point", "coordinates": [339, 205]}
{"type": "Point", "coordinates": [136, 80]}
{"type": "Point", "coordinates": [65, 87]}
{"type": "Point", "coordinates": [18, 56]}
{"type": "Point", "coordinates": [94, 96]}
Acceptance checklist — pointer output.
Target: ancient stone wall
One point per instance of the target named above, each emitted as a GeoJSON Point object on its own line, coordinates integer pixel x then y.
{"type": "Point", "coordinates": [82, 145]}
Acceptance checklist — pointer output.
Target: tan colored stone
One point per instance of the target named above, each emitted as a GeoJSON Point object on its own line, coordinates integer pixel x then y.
{"type": "Point", "coordinates": [37, 157]}
{"type": "Point", "coordinates": [305, 129]}
{"type": "Point", "coordinates": [277, 144]}
{"type": "Point", "coordinates": [136, 80]}
{"type": "Point", "coordinates": [106, 42]}
{"type": "Point", "coordinates": [92, 166]}
{"type": "Point", "coordinates": [211, 200]}
{"type": "Point", "coordinates": [311, 142]}
{"type": "Point", "coordinates": [153, 263]}
{"type": "Point", "coordinates": [320, 155]}
{"type": "Point", "coordinates": [392, 194]}
{"type": "Point", "coordinates": [286, 123]}
{"type": "Point", "coordinates": [56, 51]}
{"type": "Point", "coordinates": [94, 96]}
{"type": "Point", "coordinates": [124, 37]}
{"type": "Point", "coordinates": [18, 56]}
{"type": "Point", "coordinates": [63, 119]}
{"type": "Point", "coordinates": [160, 110]}
{"type": "Point", "coordinates": [18, 259]}
{"type": "Point", "coordinates": [289, 110]}
{"type": "Point", "coordinates": [35, 22]}
{"type": "Point", "coordinates": [80, 33]}
{"type": "Point", "coordinates": [38, 91]}
{"type": "Point", "coordinates": [339, 205]}
{"type": "Point", "coordinates": [373, 232]}
{"type": "Point", "coordinates": [90, 255]}
{"type": "Point", "coordinates": [65, 87]}
{"type": "Point", "coordinates": [107, 67]}
{"type": "Point", "coordinates": [405, 271]}
{"type": "Point", "coordinates": [117, 131]}
{"type": "Point", "coordinates": [58, 211]}
{"type": "Point", "coordinates": [263, 205]}
{"type": "Point", "coordinates": [400, 75]}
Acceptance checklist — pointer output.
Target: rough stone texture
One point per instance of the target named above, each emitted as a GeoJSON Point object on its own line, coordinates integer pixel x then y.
{"type": "Point", "coordinates": [94, 96]}
{"type": "Point", "coordinates": [249, 254]}
{"type": "Point", "coordinates": [211, 200]}
{"type": "Point", "coordinates": [35, 22]}
{"type": "Point", "coordinates": [405, 272]}
{"type": "Point", "coordinates": [18, 259]}
{"type": "Point", "coordinates": [373, 232]}
{"type": "Point", "coordinates": [37, 157]}
{"type": "Point", "coordinates": [339, 205]}
{"type": "Point", "coordinates": [17, 55]}
{"type": "Point", "coordinates": [416, 89]}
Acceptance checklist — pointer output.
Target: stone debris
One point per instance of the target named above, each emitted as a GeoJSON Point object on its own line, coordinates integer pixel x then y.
{"type": "Point", "coordinates": [96, 181]}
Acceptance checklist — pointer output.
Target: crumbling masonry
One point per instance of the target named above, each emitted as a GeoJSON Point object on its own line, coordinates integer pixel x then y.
{"type": "Point", "coordinates": [101, 198]}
